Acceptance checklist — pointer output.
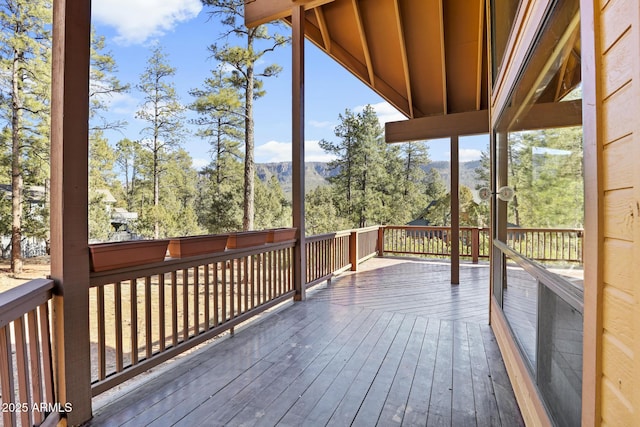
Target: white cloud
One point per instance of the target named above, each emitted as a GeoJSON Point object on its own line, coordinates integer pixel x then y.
{"type": "Point", "coordinates": [135, 21]}
{"type": "Point", "coordinates": [313, 153]}
{"type": "Point", "coordinates": [275, 151]}
{"type": "Point", "coordinates": [199, 163]}
{"type": "Point", "coordinates": [321, 124]}
{"type": "Point", "coordinates": [121, 103]}
{"type": "Point", "coordinates": [385, 112]}
{"type": "Point", "coordinates": [467, 154]}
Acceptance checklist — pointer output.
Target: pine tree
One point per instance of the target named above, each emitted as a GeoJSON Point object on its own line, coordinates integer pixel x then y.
{"type": "Point", "coordinates": [103, 85]}
{"type": "Point", "coordinates": [361, 175]}
{"type": "Point", "coordinates": [243, 60]}
{"type": "Point", "coordinates": [321, 215]}
{"type": "Point", "coordinates": [272, 207]}
{"type": "Point", "coordinates": [25, 54]}
{"type": "Point", "coordinates": [163, 113]}
{"type": "Point", "coordinates": [220, 111]}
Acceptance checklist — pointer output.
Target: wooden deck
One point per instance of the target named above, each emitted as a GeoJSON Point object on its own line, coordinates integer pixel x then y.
{"type": "Point", "coordinates": [394, 344]}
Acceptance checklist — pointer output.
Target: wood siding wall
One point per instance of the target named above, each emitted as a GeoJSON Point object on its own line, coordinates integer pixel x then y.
{"type": "Point", "coordinates": [617, 51]}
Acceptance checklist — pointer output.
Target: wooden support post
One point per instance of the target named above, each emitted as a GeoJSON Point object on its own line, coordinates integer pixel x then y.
{"type": "Point", "coordinates": [381, 241]}
{"type": "Point", "coordinates": [455, 212]}
{"type": "Point", "coordinates": [69, 205]}
{"type": "Point", "coordinates": [475, 245]}
{"type": "Point", "coordinates": [353, 250]}
{"type": "Point", "coordinates": [297, 42]}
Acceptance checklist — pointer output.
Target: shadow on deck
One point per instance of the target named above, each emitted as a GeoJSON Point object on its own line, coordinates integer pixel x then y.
{"type": "Point", "coordinates": [394, 344]}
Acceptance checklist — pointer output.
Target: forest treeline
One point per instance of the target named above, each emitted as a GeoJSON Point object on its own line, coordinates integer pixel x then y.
{"type": "Point", "coordinates": [151, 174]}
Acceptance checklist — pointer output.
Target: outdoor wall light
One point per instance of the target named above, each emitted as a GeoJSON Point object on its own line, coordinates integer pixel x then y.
{"type": "Point", "coordinates": [504, 193]}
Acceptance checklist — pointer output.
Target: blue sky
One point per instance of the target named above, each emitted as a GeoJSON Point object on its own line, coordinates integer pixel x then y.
{"type": "Point", "coordinates": [185, 31]}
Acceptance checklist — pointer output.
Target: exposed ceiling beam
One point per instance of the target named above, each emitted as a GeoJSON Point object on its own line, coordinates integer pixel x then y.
{"type": "Point", "coordinates": [365, 44]}
{"type": "Point", "coordinates": [403, 53]}
{"type": "Point", "coordinates": [258, 12]}
{"type": "Point", "coordinates": [550, 115]}
{"type": "Point", "coordinates": [481, 38]}
{"type": "Point", "coordinates": [443, 61]}
{"type": "Point", "coordinates": [562, 47]}
{"type": "Point", "coordinates": [434, 127]}
{"type": "Point", "coordinates": [324, 30]}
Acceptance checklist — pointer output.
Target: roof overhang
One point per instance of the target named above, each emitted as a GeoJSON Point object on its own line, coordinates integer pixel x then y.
{"type": "Point", "coordinates": [426, 58]}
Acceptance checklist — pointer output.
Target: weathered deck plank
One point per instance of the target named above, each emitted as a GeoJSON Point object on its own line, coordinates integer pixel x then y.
{"type": "Point", "coordinates": [395, 344]}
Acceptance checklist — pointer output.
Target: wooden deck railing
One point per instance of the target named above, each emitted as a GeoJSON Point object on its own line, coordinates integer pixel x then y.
{"type": "Point", "coordinates": [540, 244]}
{"type": "Point", "coordinates": [327, 254]}
{"type": "Point", "coordinates": [547, 244]}
{"type": "Point", "coordinates": [26, 375]}
{"type": "Point", "coordinates": [143, 316]}
{"type": "Point", "coordinates": [146, 315]}
{"type": "Point", "coordinates": [332, 253]}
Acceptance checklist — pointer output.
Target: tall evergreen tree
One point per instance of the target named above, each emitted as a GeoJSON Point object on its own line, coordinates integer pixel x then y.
{"type": "Point", "coordinates": [103, 85]}
{"type": "Point", "coordinates": [163, 113]}
{"type": "Point", "coordinates": [220, 110]}
{"type": "Point", "coordinates": [128, 160]}
{"type": "Point", "coordinates": [360, 166]}
{"type": "Point", "coordinates": [25, 55]}
{"type": "Point", "coordinates": [321, 215]}
{"type": "Point", "coordinates": [257, 42]}
{"type": "Point", "coordinates": [546, 172]}
{"type": "Point", "coordinates": [483, 180]}
{"type": "Point", "coordinates": [272, 207]}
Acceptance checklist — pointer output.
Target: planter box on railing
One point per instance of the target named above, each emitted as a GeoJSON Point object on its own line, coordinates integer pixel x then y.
{"type": "Point", "coordinates": [113, 255]}
{"type": "Point", "coordinates": [277, 235]}
{"type": "Point", "coordinates": [181, 247]}
{"type": "Point", "coordinates": [246, 239]}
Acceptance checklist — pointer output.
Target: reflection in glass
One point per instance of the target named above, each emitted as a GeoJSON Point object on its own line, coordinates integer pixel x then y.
{"type": "Point", "coordinates": [503, 14]}
{"type": "Point", "coordinates": [520, 306]}
{"type": "Point", "coordinates": [560, 358]}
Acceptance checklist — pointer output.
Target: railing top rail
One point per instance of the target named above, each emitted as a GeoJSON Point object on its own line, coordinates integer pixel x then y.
{"type": "Point", "coordinates": [22, 299]}
{"type": "Point", "coordinates": [367, 229]}
{"type": "Point", "coordinates": [174, 264]}
{"type": "Point", "coordinates": [417, 227]}
{"type": "Point", "coordinates": [445, 227]}
{"type": "Point", "coordinates": [327, 236]}
{"type": "Point", "coordinates": [551, 230]}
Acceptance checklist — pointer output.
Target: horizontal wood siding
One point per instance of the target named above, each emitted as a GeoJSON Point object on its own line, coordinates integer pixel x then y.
{"type": "Point", "coordinates": [618, 20]}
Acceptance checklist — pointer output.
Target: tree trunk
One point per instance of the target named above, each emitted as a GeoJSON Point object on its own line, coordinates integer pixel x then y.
{"type": "Point", "coordinates": [249, 166]}
{"type": "Point", "coordinates": [156, 192]}
{"type": "Point", "coordinates": [16, 166]}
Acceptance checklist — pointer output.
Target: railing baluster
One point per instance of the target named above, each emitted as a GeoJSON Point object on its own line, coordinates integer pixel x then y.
{"type": "Point", "coordinates": [6, 375]}
{"type": "Point", "coordinates": [102, 357]}
{"type": "Point", "coordinates": [245, 281]}
{"type": "Point", "coordinates": [265, 283]}
{"type": "Point", "coordinates": [224, 291]}
{"type": "Point", "coordinates": [240, 285]}
{"type": "Point", "coordinates": [133, 297]}
{"type": "Point", "coordinates": [196, 300]}
{"type": "Point", "coordinates": [118, 325]}
{"type": "Point", "coordinates": [148, 331]}
{"type": "Point", "coordinates": [161, 314]}
{"type": "Point", "coordinates": [252, 280]}
{"type": "Point", "coordinates": [185, 304]}
{"type": "Point", "coordinates": [207, 324]}
{"type": "Point", "coordinates": [47, 369]}
{"type": "Point", "coordinates": [34, 359]}
{"type": "Point", "coordinates": [232, 281]}
{"type": "Point", "coordinates": [215, 295]}
{"type": "Point", "coordinates": [22, 363]}
{"type": "Point", "coordinates": [174, 308]}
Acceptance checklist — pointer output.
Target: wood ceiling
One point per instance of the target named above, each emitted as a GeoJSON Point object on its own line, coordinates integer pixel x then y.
{"type": "Point", "coordinates": [425, 57]}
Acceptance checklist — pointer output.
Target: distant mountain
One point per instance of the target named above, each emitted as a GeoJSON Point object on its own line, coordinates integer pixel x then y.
{"type": "Point", "coordinates": [316, 173]}
{"type": "Point", "coordinates": [467, 172]}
